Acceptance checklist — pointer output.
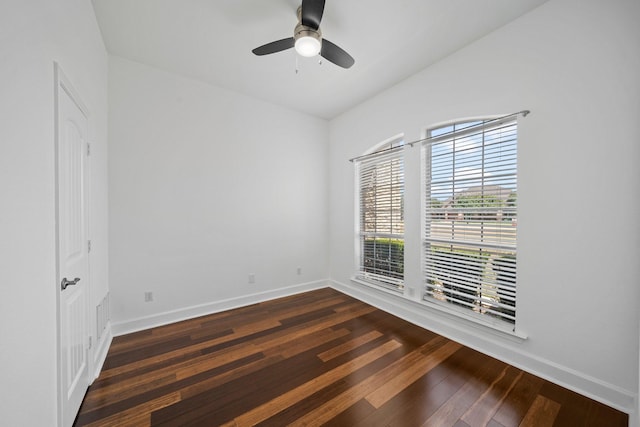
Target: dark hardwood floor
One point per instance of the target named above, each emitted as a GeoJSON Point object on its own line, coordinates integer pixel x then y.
{"type": "Point", "coordinates": [319, 358]}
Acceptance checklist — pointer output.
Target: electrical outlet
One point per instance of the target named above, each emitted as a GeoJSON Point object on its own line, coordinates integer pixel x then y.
{"type": "Point", "coordinates": [299, 271]}
{"type": "Point", "coordinates": [252, 278]}
{"type": "Point", "coordinates": [148, 296]}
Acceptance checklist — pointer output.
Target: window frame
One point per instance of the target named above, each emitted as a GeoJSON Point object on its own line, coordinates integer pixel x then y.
{"type": "Point", "coordinates": [389, 150]}
{"type": "Point", "coordinates": [444, 304]}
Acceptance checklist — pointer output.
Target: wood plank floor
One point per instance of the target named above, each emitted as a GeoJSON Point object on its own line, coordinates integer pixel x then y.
{"type": "Point", "coordinates": [319, 358]}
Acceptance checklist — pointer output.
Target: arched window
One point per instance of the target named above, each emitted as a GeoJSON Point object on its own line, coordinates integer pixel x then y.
{"type": "Point", "coordinates": [380, 194]}
{"type": "Point", "coordinates": [470, 224]}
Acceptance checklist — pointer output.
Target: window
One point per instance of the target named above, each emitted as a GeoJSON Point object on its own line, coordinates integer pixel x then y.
{"type": "Point", "coordinates": [380, 187]}
{"type": "Point", "coordinates": [470, 189]}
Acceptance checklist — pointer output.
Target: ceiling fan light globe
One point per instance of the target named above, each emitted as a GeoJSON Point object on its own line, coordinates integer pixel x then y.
{"type": "Point", "coordinates": [308, 46]}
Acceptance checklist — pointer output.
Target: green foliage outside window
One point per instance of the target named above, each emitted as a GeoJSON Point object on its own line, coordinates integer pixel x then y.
{"type": "Point", "coordinates": [384, 255]}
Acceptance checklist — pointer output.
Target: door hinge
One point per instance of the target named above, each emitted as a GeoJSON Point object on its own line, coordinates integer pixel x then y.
{"type": "Point", "coordinates": [88, 149]}
{"type": "Point", "coordinates": [90, 343]}
{"type": "Point", "coordinates": [88, 245]}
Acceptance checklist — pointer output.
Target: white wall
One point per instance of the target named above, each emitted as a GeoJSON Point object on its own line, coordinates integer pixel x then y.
{"type": "Point", "coordinates": [575, 65]}
{"type": "Point", "coordinates": [206, 187]}
{"type": "Point", "coordinates": [33, 35]}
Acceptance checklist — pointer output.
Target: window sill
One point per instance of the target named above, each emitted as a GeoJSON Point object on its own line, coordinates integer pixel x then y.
{"type": "Point", "coordinates": [460, 318]}
{"type": "Point", "coordinates": [390, 289]}
{"type": "Point", "coordinates": [479, 321]}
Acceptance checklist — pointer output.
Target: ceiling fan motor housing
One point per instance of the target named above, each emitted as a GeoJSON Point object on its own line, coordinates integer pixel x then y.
{"type": "Point", "coordinates": [304, 31]}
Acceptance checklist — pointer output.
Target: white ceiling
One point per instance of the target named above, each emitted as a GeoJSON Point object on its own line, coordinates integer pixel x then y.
{"type": "Point", "coordinates": [211, 40]}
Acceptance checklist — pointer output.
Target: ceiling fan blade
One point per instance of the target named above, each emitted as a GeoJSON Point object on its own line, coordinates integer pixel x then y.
{"type": "Point", "coordinates": [311, 13]}
{"type": "Point", "coordinates": [276, 46]}
{"type": "Point", "coordinates": [336, 54]}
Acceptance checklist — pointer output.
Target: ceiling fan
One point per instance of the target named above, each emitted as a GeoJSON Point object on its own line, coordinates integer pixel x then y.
{"type": "Point", "coordinates": [307, 38]}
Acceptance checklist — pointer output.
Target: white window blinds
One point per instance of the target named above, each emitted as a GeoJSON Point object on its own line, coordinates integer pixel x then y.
{"type": "Point", "coordinates": [470, 176]}
{"type": "Point", "coordinates": [380, 178]}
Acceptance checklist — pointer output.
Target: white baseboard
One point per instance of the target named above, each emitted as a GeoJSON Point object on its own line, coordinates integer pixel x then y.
{"type": "Point", "coordinates": [498, 348]}
{"type": "Point", "coordinates": [100, 354]}
{"type": "Point", "coordinates": [142, 323]}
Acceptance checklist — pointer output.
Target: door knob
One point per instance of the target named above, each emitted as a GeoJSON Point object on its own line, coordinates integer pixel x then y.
{"type": "Point", "coordinates": [65, 282]}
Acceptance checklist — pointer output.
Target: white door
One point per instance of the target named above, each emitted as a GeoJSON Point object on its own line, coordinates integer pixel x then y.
{"type": "Point", "coordinates": [73, 256]}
